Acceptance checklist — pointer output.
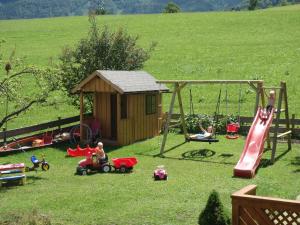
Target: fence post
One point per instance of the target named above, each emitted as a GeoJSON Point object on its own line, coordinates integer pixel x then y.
{"type": "Point", "coordinates": [293, 124]}
{"type": "Point", "coordinates": [4, 136]}
{"type": "Point", "coordinates": [59, 125]}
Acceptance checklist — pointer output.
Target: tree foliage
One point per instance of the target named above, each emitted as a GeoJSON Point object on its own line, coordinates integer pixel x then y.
{"type": "Point", "coordinates": [252, 4]}
{"type": "Point", "coordinates": [104, 50]}
{"type": "Point", "coordinates": [214, 213]}
{"type": "Point", "coordinates": [171, 7]}
{"type": "Point", "coordinates": [22, 86]}
{"type": "Point", "coordinates": [49, 8]}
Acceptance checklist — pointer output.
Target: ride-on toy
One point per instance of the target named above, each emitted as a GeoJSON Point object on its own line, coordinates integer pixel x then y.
{"type": "Point", "coordinates": [37, 163]}
{"type": "Point", "coordinates": [92, 164]}
{"type": "Point", "coordinates": [160, 173]}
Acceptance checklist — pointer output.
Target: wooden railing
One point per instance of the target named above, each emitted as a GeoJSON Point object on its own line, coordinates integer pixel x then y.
{"type": "Point", "coordinates": [43, 126]}
{"type": "Point", "coordinates": [249, 209]}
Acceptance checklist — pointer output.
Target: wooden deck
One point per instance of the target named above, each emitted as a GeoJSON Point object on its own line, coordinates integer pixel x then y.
{"type": "Point", "coordinates": [249, 209]}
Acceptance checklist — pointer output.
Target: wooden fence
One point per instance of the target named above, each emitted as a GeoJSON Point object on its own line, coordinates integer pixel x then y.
{"type": "Point", "coordinates": [247, 121]}
{"type": "Point", "coordinates": [249, 209]}
{"type": "Point", "coordinates": [59, 123]}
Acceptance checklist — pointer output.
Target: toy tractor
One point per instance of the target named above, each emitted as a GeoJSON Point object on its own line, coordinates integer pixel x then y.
{"type": "Point", "coordinates": [93, 164]}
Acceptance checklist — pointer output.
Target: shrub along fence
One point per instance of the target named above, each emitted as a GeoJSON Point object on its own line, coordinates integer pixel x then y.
{"type": "Point", "coordinates": [246, 122]}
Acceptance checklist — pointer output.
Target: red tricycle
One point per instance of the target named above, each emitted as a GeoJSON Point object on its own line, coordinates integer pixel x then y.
{"type": "Point", "coordinates": [93, 164]}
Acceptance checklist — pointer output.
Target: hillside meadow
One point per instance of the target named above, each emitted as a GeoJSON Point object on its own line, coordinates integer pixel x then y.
{"type": "Point", "coordinates": [218, 45]}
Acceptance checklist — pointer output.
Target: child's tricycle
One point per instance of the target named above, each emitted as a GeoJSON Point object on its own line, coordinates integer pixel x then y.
{"type": "Point", "coordinates": [160, 173]}
{"type": "Point", "coordinates": [37, 163]}
{"type": "Point", "coordinates": [93, 164]}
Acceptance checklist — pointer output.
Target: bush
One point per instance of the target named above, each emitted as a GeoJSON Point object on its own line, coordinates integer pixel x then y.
{"type": "Point", "coordinates": [193, 120]}
{"type": "Point", "coordinates": [171, 7]}
{"type": "Point", "coordinates": [252, 4]}
{"type": "Point", "coordinates": [214, 213]}
{"type": "Point", "coordinates": [101, 50]}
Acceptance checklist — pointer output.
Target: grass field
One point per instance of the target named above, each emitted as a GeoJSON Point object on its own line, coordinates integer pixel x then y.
{"type": "Point", "coordinates": [135, 198]}
{"type": "Point", "coordinates": [217, 45]}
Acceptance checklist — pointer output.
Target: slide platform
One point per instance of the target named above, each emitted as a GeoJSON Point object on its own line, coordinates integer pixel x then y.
{"type": "Point", "coordinates": [254, 146]}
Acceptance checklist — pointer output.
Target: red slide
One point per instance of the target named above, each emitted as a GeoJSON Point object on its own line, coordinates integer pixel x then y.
{"type": "Point", "coordinates": [254, 146]}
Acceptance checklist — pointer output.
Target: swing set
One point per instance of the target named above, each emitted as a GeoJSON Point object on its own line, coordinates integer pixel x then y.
{"type": "Point", "coordinates": [232, 128]}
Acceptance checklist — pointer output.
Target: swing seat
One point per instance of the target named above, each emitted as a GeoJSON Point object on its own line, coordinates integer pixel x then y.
{"type": "Point", "coordinates": [209, 140]}
{"type": "Point", "coordinates": [232, 130]}
{"type": "Point", "coordinates": [232, 136]}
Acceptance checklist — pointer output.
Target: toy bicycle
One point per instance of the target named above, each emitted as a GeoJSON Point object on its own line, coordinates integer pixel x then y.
{"type": "Point", "coordinates": [38, 163]}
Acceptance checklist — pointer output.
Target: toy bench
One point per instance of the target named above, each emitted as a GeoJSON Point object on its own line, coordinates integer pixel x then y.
{"type": "Point", "coordinates": [7, 173]}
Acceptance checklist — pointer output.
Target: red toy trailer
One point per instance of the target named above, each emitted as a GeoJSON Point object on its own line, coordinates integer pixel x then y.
{"type": "Point", "coordinates": [124, 164]}
{"type": "Point", "coordinates": [92, 164]}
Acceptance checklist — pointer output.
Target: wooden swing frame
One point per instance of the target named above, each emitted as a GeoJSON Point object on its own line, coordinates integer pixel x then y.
{"type": "Point", "coordinates": [256, 85]}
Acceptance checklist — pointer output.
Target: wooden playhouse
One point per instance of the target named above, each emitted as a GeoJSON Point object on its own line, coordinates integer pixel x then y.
{"type": "Point", "coordinates": [127, 104]}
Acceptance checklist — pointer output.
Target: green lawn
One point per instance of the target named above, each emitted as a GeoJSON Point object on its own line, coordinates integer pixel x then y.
{"type": "Point", "coordinates": [135, 198]}
{"type": "Point", "coordinates": [262, 44]}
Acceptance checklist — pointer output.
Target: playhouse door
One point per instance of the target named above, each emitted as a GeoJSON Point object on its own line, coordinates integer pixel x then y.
{"type": "Point", "coordinates": [113, 122]}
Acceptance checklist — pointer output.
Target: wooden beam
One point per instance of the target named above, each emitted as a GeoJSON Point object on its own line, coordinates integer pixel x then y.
{"type": "Point", "coordinates": [286, 111]}
{"type": "Point", "coordinates": [166, 130]}
{"type": "Point", "coordinates": [81, 114]}
{"type": "Point", "coordinates": [182, 114]}
{"type": "Point", "coordinates": [257, 98]}
{"type": "Point", "coordinates": [252, 86]}
{"type": "Point", "coordinates": [210, 81]}
{"type": "Point", "coordinates": [272, 88]}
{"type": "Point", "coordinates": [284, 134]}
{"type": "Point", "coordinates": [278, 112]}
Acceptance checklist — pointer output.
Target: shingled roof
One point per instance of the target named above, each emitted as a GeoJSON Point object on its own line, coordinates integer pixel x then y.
{"type": "Point", "coordinates": [125, 81]}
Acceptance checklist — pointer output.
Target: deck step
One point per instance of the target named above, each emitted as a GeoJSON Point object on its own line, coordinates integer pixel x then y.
{"type": "Point", "coordinates": [12, 178]}
{"type": "Point", "coordinates": [11, 171]}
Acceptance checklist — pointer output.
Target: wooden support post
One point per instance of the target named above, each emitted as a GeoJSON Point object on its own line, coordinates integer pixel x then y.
{"type": "Point", "coordinates": [258, 89]}
{"type": "Point", "coordinates": [81, 114]}
{"type": "Point", "coordinates": [95, 105]}
{"type": "Point", "coordinates": [182, 114]}
{"type": "Point", "coordinates": [235, 211]}
{"type": "Point", "coordinates": [287, 118]}
{"type": "Point", "coordinates": [262, 94]}
{"type": "Point", "coordinates": [278, 112]}
{"type": "Point", "coordinates": [166, 130]}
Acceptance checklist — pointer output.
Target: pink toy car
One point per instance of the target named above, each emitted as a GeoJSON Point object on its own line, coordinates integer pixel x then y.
{"type": "Point", "coordinates": [160, 173]}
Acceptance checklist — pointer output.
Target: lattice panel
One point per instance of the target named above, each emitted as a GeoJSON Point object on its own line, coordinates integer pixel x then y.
{"type": "Point", "coordinates": [283, 217]}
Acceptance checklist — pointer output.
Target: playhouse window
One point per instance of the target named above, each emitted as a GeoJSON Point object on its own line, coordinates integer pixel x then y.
{"type": "Point", "coordinates": [123, 106]}
{"type": "Point", "coordinates": [150, 104]}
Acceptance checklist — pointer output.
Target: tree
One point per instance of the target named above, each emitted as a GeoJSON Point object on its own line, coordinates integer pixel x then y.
{"type": "Point", "coordinates": [171, 7]}
{"type": "Point", "coordinates": [104, 50]}
{"type": "Point", "coordinates": [23, 86]}
{"type": "Point", "coordinates": [252, 4]}
{"type": "Point", "coordinates": [214, 212]}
